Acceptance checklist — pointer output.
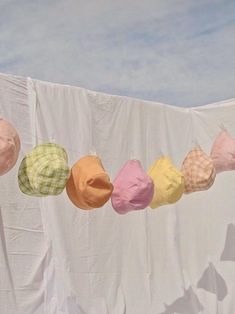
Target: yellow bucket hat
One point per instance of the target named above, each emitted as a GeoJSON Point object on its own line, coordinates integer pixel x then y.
{"type": "Point", "coordinates": [168, 182]}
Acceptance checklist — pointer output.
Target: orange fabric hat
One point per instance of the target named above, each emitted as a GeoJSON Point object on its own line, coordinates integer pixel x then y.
{"type": "Point", "coordinates": [89, 185]}
{"type": "Point", "coordinates": [198, 170]}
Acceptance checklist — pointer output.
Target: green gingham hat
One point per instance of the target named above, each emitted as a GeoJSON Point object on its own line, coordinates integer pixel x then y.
{"type": "Point", "coordinates": [44, 171]}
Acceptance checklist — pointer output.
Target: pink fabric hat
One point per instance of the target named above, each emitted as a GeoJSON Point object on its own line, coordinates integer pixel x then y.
{"type": "Point", "coordinates": [223, 152]}
{"type": "Point", "coordinates": [9, 146]}
{"type": "Point", "coordinates": [133, 188]}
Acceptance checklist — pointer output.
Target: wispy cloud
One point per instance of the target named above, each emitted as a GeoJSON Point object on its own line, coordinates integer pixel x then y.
{"type": "Point", "coordinates": [179, 52]}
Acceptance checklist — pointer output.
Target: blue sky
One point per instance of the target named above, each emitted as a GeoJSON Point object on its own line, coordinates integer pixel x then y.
{"type": "Point", "coordinates": [179, 52]}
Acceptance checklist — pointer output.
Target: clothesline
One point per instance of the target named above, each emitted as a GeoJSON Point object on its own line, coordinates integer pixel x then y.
{"type": "Point", "coordinates": [45, 171]}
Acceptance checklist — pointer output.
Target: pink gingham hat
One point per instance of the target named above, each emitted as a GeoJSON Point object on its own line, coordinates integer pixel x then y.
{"type": "Point", "coordinates": [9, 146]}
{"type": "Point", "coordinates": [198, 170]}
{"type": "Point", "coordinates": [133, 188]}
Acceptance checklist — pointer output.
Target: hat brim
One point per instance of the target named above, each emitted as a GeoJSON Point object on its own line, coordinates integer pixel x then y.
{"type": "Point", "coordinates": [23, 180]}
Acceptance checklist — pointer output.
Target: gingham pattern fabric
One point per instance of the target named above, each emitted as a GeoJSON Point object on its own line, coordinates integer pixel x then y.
{"type": "Point", "coordinates": [198, 170]}
{"type": "Point", "coordinates": [44, 171]}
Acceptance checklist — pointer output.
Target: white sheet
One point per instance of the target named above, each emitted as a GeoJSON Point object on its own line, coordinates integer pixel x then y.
{"type": "Point", "coordinates": [62, 260]}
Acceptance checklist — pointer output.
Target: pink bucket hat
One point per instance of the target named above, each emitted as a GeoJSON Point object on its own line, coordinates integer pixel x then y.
{"type": "Point", "coordinates": [9, 146]}
{"type": "Point", "coordinates": [223, 152]}
{"type": "Point", "coordinates": [133, 188]}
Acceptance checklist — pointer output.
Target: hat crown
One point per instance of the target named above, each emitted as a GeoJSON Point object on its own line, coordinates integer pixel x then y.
{"type": "Point", "coordinates": [48, 149]}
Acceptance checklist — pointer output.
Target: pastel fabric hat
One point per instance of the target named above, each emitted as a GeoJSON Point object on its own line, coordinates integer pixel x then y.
{"type": "Point", "coordinates": [9, 146]}
{"type": "Point", "coordinates": [133, 188]}
{"type": "Point", "coordinates": [89, 185]}
{"type": "Point", "coordinates": [168, 182]}
{"type": "Point", "coordinates": [44, 171]}
{"type": "Point", "coordinates": [223, 152]}
{"type": "Point", "coordinates": [199, 171]}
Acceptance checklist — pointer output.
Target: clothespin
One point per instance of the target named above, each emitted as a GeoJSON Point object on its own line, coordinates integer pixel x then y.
{"type": "Point", "coordinates": [132, 155]}
{"type": "Point", "coordinates": [92, 151]}
{"type": "Point", "coordinates": [52, 139]}
{"type": "Point", "coordinates": [196, 143]}
{"type": "Point", "coordinates": [209, 259]}
{"type": "Point", "coordinates": [222, 127]}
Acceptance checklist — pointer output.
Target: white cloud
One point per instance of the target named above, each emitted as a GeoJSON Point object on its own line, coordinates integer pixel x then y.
{"type": "Point", "coordinates": [177, 52]}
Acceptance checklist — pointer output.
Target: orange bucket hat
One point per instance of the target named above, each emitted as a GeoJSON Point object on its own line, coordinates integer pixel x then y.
{"type": "Point", "coordinates": [198, 170]}
{"type": "Point", "coordinates": [89, 185]}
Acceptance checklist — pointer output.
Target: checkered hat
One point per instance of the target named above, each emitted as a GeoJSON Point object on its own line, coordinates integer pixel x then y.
{"type": "Point", "coordinates": [44, 171]}
{"type": "Point", "coordinates": [198, 170]}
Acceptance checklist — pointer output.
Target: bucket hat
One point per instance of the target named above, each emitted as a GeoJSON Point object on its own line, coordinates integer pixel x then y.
{"type": "Point", "coordinates": [9, 146]}
{"type": "Point", "coordinates": [223, 152]}
{"type": "Point", "coordinates": [89, 185]}
{"type": "Point", "coordinates": [168, 182]}
{"type": "Point", "coordinates": [133, 188]}
{"type": "Point", "coordinates": [199, 171]}
{"type": "Point", "coordinates": [44, 171]}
